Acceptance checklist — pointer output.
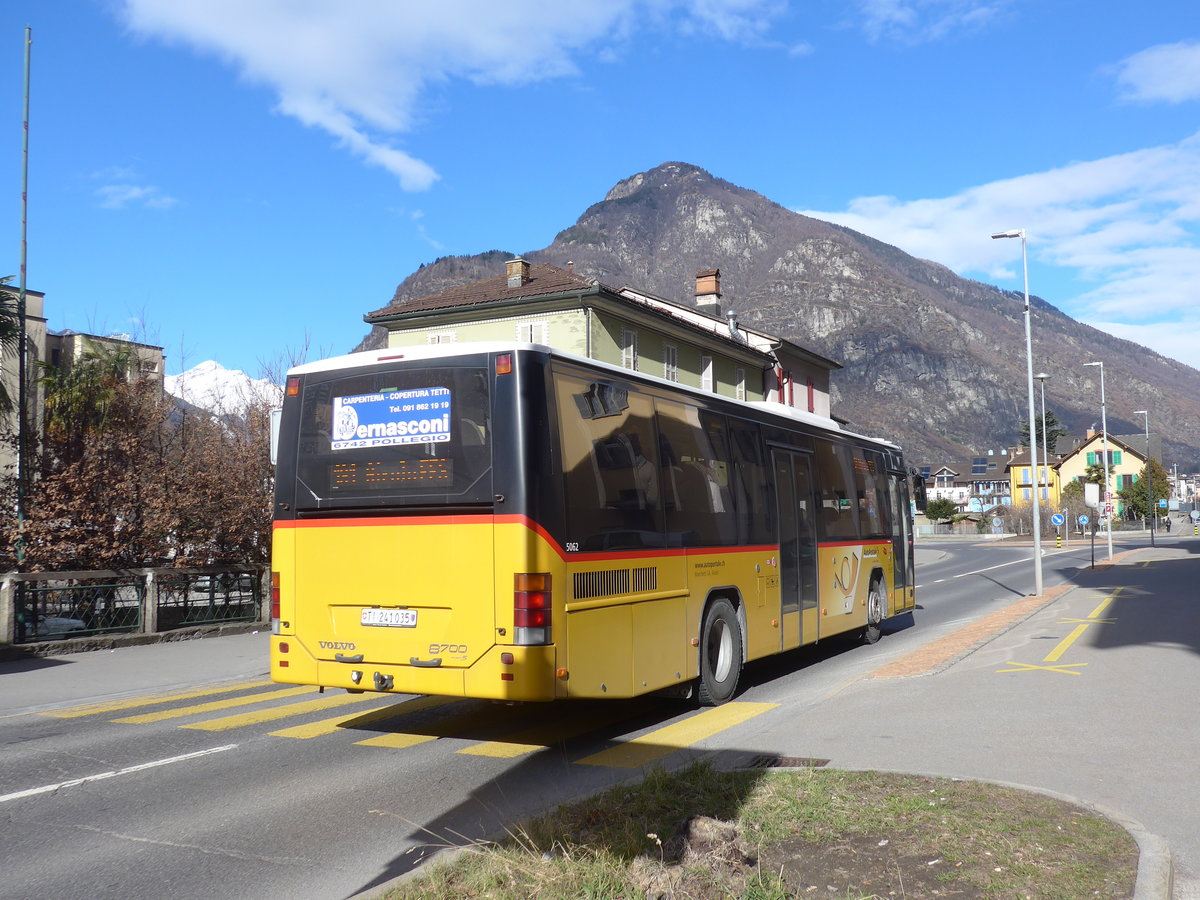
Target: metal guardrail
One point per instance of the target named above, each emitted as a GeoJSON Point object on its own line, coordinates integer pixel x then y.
{"type": "Point", "coordinates": [203, 599]}
{"type": "Point", "coordinates": [57, 605]}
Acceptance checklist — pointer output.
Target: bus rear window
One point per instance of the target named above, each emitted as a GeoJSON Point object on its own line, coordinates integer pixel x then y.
{"type": "Point", "coordinates": [413, 436]}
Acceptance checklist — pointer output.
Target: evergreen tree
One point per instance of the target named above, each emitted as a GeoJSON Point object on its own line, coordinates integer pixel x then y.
{"type": "Point", "coordinates": [1048, 423]}
{"type": "Point", "coordinates": [941, 508]}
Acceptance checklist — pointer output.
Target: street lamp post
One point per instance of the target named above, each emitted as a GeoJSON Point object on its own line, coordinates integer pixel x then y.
{"type": "Point", "coordinates": [1037, 508]}
{"type": "Point", "coordinates": [1107, 485]}
{"type": "Point", "coordinates": [1150, 516]}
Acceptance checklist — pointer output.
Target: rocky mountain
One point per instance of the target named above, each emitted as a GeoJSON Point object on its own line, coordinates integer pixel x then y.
{"type": "Point", "coordinates": [932, 360]}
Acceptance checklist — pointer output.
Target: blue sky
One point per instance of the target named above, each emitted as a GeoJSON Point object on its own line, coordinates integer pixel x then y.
{"type": "Point", "coordinates": [240, 180]}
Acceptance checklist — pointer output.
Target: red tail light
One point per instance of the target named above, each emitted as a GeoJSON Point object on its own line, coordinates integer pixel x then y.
{"type": "Point", "coordinates": [274, 603]}
{"type": "Point", "coordinates": [293, 386]}
{"type": "Point", "coordinates": [532, 608]}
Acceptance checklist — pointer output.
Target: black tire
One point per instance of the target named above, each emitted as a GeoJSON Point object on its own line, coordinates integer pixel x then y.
{"type": "Point", "coordinates": [876, 607]}
{"type": "Point", "coordinates": [720, 653]}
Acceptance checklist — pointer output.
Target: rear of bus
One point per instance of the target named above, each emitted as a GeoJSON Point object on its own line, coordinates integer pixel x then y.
{"type": "Point", "coordinates": [403, 556]}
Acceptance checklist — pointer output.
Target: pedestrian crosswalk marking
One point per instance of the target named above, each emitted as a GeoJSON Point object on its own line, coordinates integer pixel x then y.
{"type": "Point", "coordinates": [279, 712]}
{"type": "Point", "coordinates": [94, 709]}
{"type": "Point", "coordinates": [212, 706]}
{"type": "Point", "coordinates": [336, 723]}
{"type": "Point", "coordinates": [649, 747]}
{"type": "Point", "coordinates": [478, 723]}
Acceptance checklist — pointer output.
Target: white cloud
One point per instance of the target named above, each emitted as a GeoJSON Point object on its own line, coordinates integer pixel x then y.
{"type": "Point", "coordinates": [1125, 228]}
{"type": "Point", "coordinates": [1168, 73]}
{"type": "Point", "coordinates": [358, 70]}
{"type": "Point", "coordinates": [120, 196]}
{"type": "Point", "coordinates": [919, 21]}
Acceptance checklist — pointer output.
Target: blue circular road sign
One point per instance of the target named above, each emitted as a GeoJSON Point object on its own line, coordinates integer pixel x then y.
{"type": "Point", "coordinates": [1058, 518]}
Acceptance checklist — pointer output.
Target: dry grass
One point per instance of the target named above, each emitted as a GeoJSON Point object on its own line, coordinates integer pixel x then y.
{"type": "Point", "coordinates": [824, 833]}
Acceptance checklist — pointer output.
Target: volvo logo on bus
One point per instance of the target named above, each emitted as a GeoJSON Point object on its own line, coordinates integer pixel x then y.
{"type": "Point", "coordinates": [337, 645]}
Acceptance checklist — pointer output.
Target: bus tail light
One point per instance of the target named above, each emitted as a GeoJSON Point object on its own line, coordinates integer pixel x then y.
{"type": "Point", "coordinates": [532, 608]}
{"type": "Point", "coordinates": [274, 603]}
{"type": "Point", "coordinates": [504, 364]}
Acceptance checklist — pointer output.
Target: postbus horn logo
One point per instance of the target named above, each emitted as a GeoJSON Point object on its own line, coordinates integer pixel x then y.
{"type": "Point", "coordinates": [845, 574]}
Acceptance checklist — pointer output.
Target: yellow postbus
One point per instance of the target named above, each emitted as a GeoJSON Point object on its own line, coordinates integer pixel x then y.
{"type": "Point", "coordinates": [517, 523]}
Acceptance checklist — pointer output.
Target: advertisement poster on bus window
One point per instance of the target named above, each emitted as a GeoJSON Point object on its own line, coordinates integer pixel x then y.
{"type": "Point", "coordinates": [418, 416]}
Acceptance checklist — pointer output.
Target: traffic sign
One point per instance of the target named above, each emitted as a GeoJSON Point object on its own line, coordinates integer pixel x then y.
{"type": "Point", "coordinates": [1162, 504]}
{"type": "Point", "coordinates": [1083, 520]}
{"type": "Point", "coordinates": [1195, 515]}
{"type": "Point", "coordinates": [1058, 518]}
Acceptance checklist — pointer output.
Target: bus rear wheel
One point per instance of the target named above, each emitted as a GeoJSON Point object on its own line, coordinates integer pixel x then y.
{"type": "Point", "coordinates": [876, 604]}
{"type": "Point", "coordinates": [720, 653]}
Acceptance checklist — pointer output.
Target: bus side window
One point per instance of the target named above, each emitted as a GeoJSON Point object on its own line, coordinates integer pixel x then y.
{"type": "Point", "coordinates": [610, 474]}
{"type": "Point", "coordinates": [753, 504]}
{"type": "Point", "coordinates": [699, 514]}
{"type": "Point", "coordinates": [835, 477]}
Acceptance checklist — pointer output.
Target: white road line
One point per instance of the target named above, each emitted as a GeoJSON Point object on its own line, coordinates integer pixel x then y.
{"type": "Point", "coordinates": [1014, 562]}
{"type": "Point", "coordinates": [50, 788]}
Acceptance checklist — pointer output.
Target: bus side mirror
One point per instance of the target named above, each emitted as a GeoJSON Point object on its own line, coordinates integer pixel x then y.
{"type": "Point", "coordinates": [276, 415]}
{"type": "Point", "coordinates": [920, 500]}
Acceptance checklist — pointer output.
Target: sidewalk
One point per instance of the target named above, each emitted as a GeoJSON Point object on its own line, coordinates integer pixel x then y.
{"type": "Point", "coordinates": [32, 683]}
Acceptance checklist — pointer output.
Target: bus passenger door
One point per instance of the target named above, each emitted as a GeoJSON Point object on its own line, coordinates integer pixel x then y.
{"type": "Point", "coordinates": [902, 543]}
{"type": "Point", "coordinates": [797, 548]}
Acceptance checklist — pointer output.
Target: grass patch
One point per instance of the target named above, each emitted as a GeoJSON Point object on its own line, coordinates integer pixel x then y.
{"type": "Point", "coordinates": [769, 835]}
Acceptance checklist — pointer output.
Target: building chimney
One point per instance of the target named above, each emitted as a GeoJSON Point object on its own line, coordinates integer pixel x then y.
{"type": "Point", "coordinates": [708, 291]}
{"type": "Point", "coordinates": [518, 272]}
{"type": "Point", "coordinates": [570, 267]}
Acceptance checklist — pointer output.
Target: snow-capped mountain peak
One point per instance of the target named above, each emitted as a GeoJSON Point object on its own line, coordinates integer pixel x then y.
{"type": "Point", "coordinates": [211, 386]}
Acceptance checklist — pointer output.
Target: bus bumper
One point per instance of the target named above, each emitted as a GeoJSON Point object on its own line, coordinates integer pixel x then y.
{"type": "Point", "coordinates": [529, 677]}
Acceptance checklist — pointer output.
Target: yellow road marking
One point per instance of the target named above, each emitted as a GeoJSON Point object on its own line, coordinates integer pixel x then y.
{"type": "Point", "coordinates": [1065, 644]}
{"type": "Point", "coordinates": [503, 749]}
{"type": "Point", "coordinates": [397, 741]}
{"type": "Point", "coordinates": [657, 744]}
{"type": "Point", "coordinates": [336, 723]}
{"type": "Point", "coordinates": [1094, 618]}
{"type": "Point", "coordinates": [279, 712]}
{"type": "Point", "coordinates": [260, 697]}
{"type": "Point", "coordinates": [1095, 613]}
{"type": "Point", "coordinates": [1065, 668]}
{"type": "Point", "coordinates": [475, 718]}
{"type": "Point", "coordinates": [539, 737]}
{"type": "Point", "coordinates": [92, 709]}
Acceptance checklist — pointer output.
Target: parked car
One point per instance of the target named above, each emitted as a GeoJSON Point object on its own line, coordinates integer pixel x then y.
{"type": "Point", "coordinates": [48, 625]}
